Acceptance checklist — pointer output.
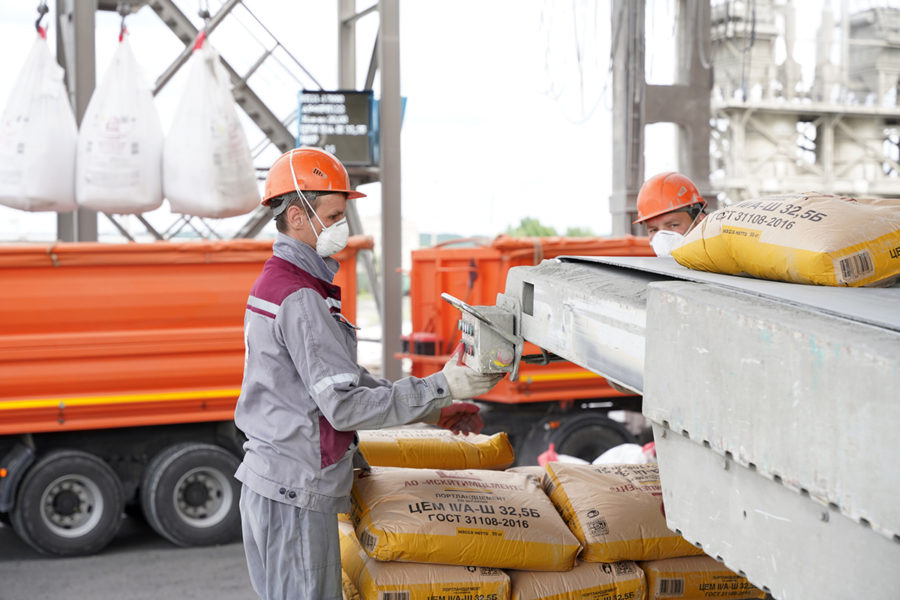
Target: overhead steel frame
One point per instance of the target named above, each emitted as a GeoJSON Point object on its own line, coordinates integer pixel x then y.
{"type": "Point", "coordinates": [636, 103]}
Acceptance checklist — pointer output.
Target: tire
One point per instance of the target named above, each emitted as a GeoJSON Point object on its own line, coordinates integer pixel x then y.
{"type": "Point", "coordinates": [586, 435]}
{"type": "Point", "coordinates": [69, 504]}
{"type": "Point", "coordinates": [189, 495]}
{"type": "Point", "coordinates": [589, 436]}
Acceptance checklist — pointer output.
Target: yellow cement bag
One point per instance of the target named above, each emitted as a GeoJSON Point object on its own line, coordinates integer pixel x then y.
{"type": "Point", "coordinates": [695, 578]}
{"type": "Point", "coordinates": [435, 449]}
{"type": "Point", "coordinates": [587, 581]}
{"type": "Point", "coordinates": [376, 580]}
{"type": "Point", "coordinates": [468, 517]}
{"type": "Point", "coordinates": [353, 557]}
{"type": "Point", "coordinates": [800, 238]}
{"type": "Point", "coordinates": [615, 511]}
{"type": "Point", "coordinates": [348, 590]}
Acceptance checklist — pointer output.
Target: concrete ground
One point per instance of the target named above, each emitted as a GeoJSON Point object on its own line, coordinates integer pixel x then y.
{"type": "Point", "coordinates": [137, 565]}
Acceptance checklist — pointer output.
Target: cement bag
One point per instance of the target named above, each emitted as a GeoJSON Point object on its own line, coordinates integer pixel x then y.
{"type": "Point", "coordinates": [38, 135]}
{"type": "Point", "coordinates": [376, 580]}
{"type": "Point", "coordinates": [800, 238]}
{"type": "Point", "coordinates": [348, 590]}
{"type": "Point", "coordinates": [695, 578]}
{"type": "Point", "coordinates": [474, 517]}
{"type": "Point", "coordinates": [587, 581]}
{"type": "Point", "coordinates": [119, 162]}
{"type": "Point", "coordinates": [615, 511]}
{"type": "Point", "coordinates": [435, 449]}
{"type": "Point", "coordinates": [207, 167]}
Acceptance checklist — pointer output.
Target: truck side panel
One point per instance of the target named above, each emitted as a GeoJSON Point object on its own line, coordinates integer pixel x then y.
{"type": "Point", "coordinates": [120, 335]}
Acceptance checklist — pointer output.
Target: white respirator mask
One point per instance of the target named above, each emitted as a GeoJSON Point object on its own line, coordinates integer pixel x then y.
{"type": "Point", "coordinates": [665, 241]}
{"type": "Point", "coordinates": [330, 240]}
{"type": "Point", "coordinates": [333, 239]}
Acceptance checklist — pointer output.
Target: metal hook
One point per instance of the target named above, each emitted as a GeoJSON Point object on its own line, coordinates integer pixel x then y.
{"type": "Point", "coordinates": [124, 10]}
{"type": "Point", "coordinates": [204, 11]}
{"type": "Point", "coordinates": [42, 12]}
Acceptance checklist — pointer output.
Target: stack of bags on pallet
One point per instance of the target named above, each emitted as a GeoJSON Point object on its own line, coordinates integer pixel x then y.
{"type": "Point", "coordinates": [568, 531]}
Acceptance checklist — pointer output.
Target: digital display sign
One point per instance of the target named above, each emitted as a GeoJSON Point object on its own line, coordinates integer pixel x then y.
{"type": "Point", "coordinates": [340, 122]}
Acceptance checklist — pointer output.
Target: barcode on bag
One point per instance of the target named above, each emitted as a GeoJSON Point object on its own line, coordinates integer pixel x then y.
{"type": "Point", "coordinates": [368, 541]}
{"type": "Point", "coordinates": [670, 588]}
{"type": "Point", "coordinates": [856, 266]}
{"type": "Point", "coordinates": [393, 595]}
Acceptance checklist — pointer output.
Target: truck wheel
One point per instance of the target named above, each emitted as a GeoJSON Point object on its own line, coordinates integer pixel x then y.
{"type": "Point", "coordinates": [588, 436]}
{"type": "Point", "coordinates": [585, 435]}
{"type": "Point", "coordinates": [69, 503]}
{"type": "Point", "coordinates": [190, 497]}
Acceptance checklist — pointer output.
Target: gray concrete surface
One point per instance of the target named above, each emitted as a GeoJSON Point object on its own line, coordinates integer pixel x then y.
{"type": "Point", "coordinates": [137, 565]}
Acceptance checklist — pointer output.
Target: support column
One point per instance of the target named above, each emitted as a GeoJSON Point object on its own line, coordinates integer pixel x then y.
{"type": "Point", "coordinates": [75, 52]}
{"type": "Point", "coordinates": [635, 104]}
{"type": "Point", "coordinates": [389, 61]}
{"type": "Point", "coordinates": [628, 117]}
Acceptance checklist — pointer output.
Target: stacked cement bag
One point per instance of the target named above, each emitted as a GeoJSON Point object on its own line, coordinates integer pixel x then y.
{"type": "Point", "coordinates": [464, 517]}
{"type": "Point", "coordinates": [419, 534]}
{"type": "Point", "coordinates": [594, 581]}
{"type": "Point", "coordinates": [615, 511]}
{"type": "Point", "coordinates": [207, 167]}
{"type": "Point", "coordinates": [435, 449]}
{"type": "Point", "coordinates": [38, 136]}
{"type": "Point", "coordinates": [119, 161]}
{"type": "Point", "coordinates": [372, 579]}
{"type": "Point", "coordinates": [695, 578]}
{"type": "Point", "coordinates": [801, 238]}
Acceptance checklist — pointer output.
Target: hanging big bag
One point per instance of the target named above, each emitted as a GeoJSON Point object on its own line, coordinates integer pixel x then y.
{"type": "Point", "coordinates": [207, 167]}
{"type": "Point", "coordinates": [119, 164]}
{"type": "Point", "coordinates": [37, 137]}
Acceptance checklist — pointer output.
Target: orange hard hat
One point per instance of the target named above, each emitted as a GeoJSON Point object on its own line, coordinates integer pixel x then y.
{"type": "Point", "coordinates": [315, 169]}
{"type": "Point", "coordinates": [665, 193]}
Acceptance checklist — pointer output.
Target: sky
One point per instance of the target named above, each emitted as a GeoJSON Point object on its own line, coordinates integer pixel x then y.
{"type": "Point", "coordinates": [508, 109]}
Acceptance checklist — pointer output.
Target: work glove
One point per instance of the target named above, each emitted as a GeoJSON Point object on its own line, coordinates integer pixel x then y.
{"type": "Point", "coordinates": [464, 382]}
{"type": "Point", "coordinates": [461, 417]}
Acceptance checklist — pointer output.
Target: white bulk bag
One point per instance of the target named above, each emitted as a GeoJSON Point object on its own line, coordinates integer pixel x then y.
{"type": "Point", "coordinates": [207, 167]}
{"type": "Point", "coordinates": [37, 138]}
{"type": "Point", "coordinates": [119, 163]}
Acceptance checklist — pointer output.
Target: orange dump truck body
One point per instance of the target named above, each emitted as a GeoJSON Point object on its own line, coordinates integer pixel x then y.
{"type": "Point", "coordinates": [119, 335]}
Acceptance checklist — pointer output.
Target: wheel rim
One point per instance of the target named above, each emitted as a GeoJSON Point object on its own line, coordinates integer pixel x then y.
{"type": "Point", "coordinates": [71, 506]}
{"type": "Point", "coordinates": [203, 497]}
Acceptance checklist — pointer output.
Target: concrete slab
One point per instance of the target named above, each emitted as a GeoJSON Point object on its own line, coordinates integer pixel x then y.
{"type": "Point", "coordinates": [803, 398]}
{"type": "Point", "coordinates": [781, 541]}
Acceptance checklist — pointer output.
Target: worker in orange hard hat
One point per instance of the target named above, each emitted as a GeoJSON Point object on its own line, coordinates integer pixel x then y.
{"type": "Point", "coordinates": [669, 205]}
{"type": "Point", "coordinates": [312, 181]}
{"type": "Point", "coordinates": [304, 394]}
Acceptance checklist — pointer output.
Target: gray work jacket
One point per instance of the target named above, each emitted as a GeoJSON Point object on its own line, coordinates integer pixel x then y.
{"type": "Point", "coordinates": [304, 394]}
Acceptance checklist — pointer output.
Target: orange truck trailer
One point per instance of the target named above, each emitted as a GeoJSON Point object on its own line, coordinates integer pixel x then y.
{"type": "Point", "coordinates": [555, 403]}
{"type": "Point", "coordinates": [120, 366]}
